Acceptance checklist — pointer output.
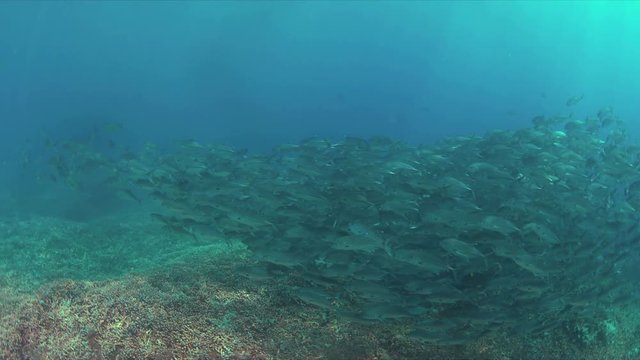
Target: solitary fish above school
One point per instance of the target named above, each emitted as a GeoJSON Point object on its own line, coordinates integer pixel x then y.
{"type": "Point", "coordinates": [574, 100]}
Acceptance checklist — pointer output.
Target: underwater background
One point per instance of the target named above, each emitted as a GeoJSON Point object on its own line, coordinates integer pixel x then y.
{"type": "Point", "coordinates": [319, 179]}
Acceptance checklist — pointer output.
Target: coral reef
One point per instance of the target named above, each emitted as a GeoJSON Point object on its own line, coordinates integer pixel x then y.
{"type": "Point", "coordinates": [193, 303]}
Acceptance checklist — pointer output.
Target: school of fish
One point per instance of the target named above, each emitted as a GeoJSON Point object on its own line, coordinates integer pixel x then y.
{"type": "Point", "coordinates": [514, 230]}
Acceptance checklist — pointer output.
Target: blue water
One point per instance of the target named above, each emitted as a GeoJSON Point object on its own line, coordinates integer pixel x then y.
{"type": "Point", "coordinates": [254, 74]}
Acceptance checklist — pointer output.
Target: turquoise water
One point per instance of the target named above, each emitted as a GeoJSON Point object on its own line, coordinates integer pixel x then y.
{"type": "Point", "coordinates": [357, 180]}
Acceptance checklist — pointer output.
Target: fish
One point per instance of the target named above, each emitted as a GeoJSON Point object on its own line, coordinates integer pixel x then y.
{"type": "Point", "coordinates": [314, 296]}
{"type": "Point", "coordinates": [113, 127]}
{"type": "Point", "coordinates": [487, 170]}
{"type": "Point", "coordinates": [259, 273]}
{"type": "Point", "coordinates": [456, 188]}
{"type": "Point", "coordinates": [422, 259]}
{"type": "Point", "coordinates": [499, 225]}
{"type": "Point", "coordinates": [128, 193]}
{"type": "Point", "coordinates": [574, 100]}
{"type": "Point", "coordinates": [445, 295]}
{"type": "Point", "coordinates": [372, 291]}
{"type": "Point", "coordinates": [507, 249]}
{"type": "Point", "coordinates": [234, 219]}
{"type": "Point", "coordinates": [394, 167]}
{"type": "Point", "coordinates": [360, 243]}
{"type": "Point", "coordinates": [531, 264]}
{"type": "Point", "coordinates": [388, 311]}
{"type": "Point", "coordinates": [542, 233]}
{"type": "Point", "coordinates": [420, 287]}
{"type": "Point", "coordinates": [460, 248]}
{"type": "Point", "coordinates": [280, 260]}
